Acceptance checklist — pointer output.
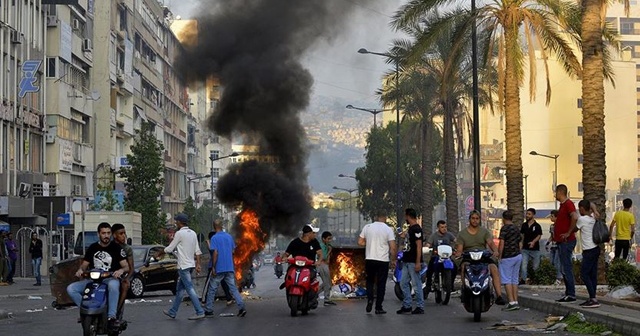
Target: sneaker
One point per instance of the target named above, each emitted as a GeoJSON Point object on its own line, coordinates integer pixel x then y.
{"type": "Point", "coordinates": [417, 311]}
{"type": "Point", "coordinates": [208, 314]}
{"type": "Point", "coordinates": [230, 302]}
{"type": "Point", "coordinates": [584, 303]}
{"type": "Point", "coordinates": [566, 298]}
{"type": "Point", "coordinates": [329, 303]}
{"type": "Point", "coordinates": [242, 312]}
{"type": "Point", "coordinates": [592, 304]}
{"type": "Point", "coordinates": [37, 284]}
{"type": "Point", "coordinates": [558, 282]}
{"type": "Point", "coordinates": [113, 323]}
{"type": "Point", "coordinates": [404, 310]}
{"type": "Point", "coordinates": [166, 312]}
{"type": "Point", "coordinates": [369, 305]}
{"type": "Point", "coordinates": [511, 307]}
{"type": "Point", "coordinates": [500, 301]}
{"type": "Point", "coordinates": [197, 317]}
{"type": "Point", "coordinates": [380, 311]}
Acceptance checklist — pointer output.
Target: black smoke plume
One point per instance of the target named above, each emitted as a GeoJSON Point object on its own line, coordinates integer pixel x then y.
{"type": "Point", "coordinates": [254, 47]}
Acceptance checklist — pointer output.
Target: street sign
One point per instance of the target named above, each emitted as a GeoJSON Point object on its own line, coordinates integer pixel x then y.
{"type": "Point", "coordinates": [64, 219]}
{"type": "Point", "coordinates": [469, 203]}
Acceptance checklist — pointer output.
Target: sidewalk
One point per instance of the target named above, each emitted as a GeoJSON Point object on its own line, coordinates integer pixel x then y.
{"type": "Point", "coordinates": [620, 315]}
{"type": "Point", "coordinates": [23, 288]}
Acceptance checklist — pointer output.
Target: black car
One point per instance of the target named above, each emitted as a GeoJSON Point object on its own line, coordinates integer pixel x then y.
{"type": "Point", "coordinates": [151, 274]}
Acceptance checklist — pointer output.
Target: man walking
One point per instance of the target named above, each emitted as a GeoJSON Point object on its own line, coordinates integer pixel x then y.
{"type": "Point", "coordinates": [531, 233]}
{"type": "Point", "coordinates": [12, 249]}
{"type": "Point", "coordinates": [624, 222]}
{"type": "Point", "coordinates": [510, 258]}
{"type": "Point", "coordinates": [323, 267]}
{"type": "Point", "coordinates": [185, 246]}
{"type": "Point", "coordinates": [35, 248]}
{"type": "Point", "coordinates": [380, 242]}
{"type": "Point", "coordinates": [222, 245]}
{"type": "Point", "coordinates": [565, 239]}
{"type": "Point", "coordinates": [412, 265]}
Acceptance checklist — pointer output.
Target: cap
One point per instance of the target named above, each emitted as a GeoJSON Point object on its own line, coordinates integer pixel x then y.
{"type": "Point", "coordinates": [309, 228]}
{"type": "Point", "coordinates": [182, 218]}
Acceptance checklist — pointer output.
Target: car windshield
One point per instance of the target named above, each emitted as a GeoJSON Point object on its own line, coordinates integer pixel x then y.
{"type": "Point", "coordinates": [139, 254]}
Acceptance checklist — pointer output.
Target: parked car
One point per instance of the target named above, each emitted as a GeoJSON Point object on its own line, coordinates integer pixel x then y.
{"type": "Point", "coordinates": [151, 274]}
{"type": "Point", "coordinates": [268, 259]}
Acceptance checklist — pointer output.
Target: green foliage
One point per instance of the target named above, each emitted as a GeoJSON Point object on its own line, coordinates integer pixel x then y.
{"type": "Point", "coordinates": [145, 182]}
{"type": "Point", "coordinates": [622, 273]}
{"type": "Point", "coordinates": [636, 283]}
{"type": "Point", "coordinates": [376, 179]}
{"type": "Point", "coordinates": [108, 201]}
{"type": "Point", "coordinates": [576, 323]}
{"type": "Point", "coordinates": [545, 275]}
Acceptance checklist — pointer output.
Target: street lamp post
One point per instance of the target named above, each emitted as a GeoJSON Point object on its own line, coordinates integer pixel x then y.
{"type": "Point", "coordinates": [375, 112]}
{"type": "Point", "coordinates": [396, 61]}
{"type": "Point", "coordinates": [213, 158]}
{"type": "Point", "coordinates": [476, 112]}
{"type": "Point", "coordinates": [359, 214]}
{"type": "Point", "coordinates": [555, 171]}
{"type": "Point", "coordinates": [350, 205]}
{"type": "Point", "coordinates": [190, 179]}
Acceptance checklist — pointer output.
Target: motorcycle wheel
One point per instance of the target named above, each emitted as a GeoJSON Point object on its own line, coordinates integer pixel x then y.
{"type": "Point", "coordinates": [398, 291]}
{"type": "Point", "coordinates": [293, 302]}
{"type": "Point", "coordinates": [446, 286]}
{"type": "Point", "coordinates": [476, 304]}
{"type": "Point", "coordinates": [89, 325]}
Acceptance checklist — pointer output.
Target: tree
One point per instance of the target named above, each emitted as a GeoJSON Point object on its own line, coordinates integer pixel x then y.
{"type": "Point", "coordinates": [144, 182]}
{"type": "Point", "coordinates": [514, 28]}
{"type": "Point", "coordinates": [191, 211]}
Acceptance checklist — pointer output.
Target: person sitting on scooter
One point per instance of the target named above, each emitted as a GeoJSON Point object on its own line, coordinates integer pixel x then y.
{"type": "Point", "coordinates": [306, 246]}
{"type": "Point", "coordinates": [109, 257]}
{"type": "Point", "coordinates": [278, 258]}
{"type": "Point", "coordinates": [120, 236]}
{"type": "Point", "coordinates": [440, 237]}
{"type": "Point", "coordinates": [475, 237]}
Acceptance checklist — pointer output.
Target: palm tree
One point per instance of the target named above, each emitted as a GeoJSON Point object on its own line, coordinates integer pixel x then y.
{"type": "Point", "coordinates": [515, 28]}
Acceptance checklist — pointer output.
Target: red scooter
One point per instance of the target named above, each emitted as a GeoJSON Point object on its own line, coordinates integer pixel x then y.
{"type": "Point", "coordinates": [301, 285]}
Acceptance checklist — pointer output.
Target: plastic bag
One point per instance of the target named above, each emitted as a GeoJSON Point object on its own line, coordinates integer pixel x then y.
{"type": "Point", "coordinates": [600, 232]}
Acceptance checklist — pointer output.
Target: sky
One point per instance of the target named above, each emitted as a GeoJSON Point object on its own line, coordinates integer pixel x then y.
{"type": "Point", "coordinates": [337, 68]}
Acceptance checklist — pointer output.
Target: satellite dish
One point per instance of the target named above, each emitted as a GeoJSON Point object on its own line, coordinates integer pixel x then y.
{"type": "Point", "coordinates": [95, 95]}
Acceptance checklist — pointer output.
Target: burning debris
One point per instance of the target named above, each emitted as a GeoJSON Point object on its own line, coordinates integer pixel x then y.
{"type": "Point", "coordinates": [249, 241]}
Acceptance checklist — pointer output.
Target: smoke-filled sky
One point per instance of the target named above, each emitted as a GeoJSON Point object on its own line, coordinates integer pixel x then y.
{"type": "Point", "coordinates": [337, 69]}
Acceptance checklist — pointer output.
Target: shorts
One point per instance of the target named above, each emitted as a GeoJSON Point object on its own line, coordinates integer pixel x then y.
{"type": "Point", "coordinates": [510, 270]}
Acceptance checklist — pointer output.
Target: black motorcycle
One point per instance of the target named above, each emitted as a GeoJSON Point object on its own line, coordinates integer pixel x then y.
{"type": "Point", "coordinates": [277, 268]}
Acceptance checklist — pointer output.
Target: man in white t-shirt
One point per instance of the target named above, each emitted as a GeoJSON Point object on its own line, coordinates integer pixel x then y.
{"type": "Point", "coordinates": [380, 249]}
{"type": "Point", "coordinates": [590, 253]}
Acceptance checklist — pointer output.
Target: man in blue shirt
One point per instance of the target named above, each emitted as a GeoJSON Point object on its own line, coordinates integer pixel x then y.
{"type": "Point", "coordinates": [222, 245]}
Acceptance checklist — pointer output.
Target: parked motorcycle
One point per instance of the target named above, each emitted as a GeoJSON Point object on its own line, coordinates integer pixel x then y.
{"type": "Point", "coordinates": [397, 277]}
{"type": "Point", "coordinates": [443, 274]}
{"type": "Point", "coordinates": [278, 269]}
{"type": "Point", "coordinates": [477, 289]}
{"type": "Point", "coordinates": [301, 286]}
{"type": "Point", "coordinates": [93, 309]}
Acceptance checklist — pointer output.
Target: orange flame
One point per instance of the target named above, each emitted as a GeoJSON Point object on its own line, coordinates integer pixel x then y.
{"type": "Point", "coordinates": [249, 241]}
{"type": "Point", "coordinates": [346, 270]}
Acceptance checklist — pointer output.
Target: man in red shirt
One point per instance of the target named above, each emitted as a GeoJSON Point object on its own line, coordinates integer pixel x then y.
{"type": "Point", "coordinates": [565, 238]}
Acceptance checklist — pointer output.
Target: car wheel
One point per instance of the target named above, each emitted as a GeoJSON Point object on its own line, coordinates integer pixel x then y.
{"type": "Point", "coordinates": [136, 288]}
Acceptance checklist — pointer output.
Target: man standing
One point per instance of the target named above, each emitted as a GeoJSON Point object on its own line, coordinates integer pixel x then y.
{"type": "Point", "coordinates": [185, 246]}
{"type": "Point", "coordinates": [323, 267]}
{"type": "Point", "coordinates": [440, 237]}
{"type": "Point", "coordinates": [380, 242]}
{"type": "Point", "coordinates": [35, 248]}
{"type": "Point", "coordinates": [106, 256]}
{"type": "Point", "coordinates": [624, 222]}
{"type": "Point", "coordinates": [565, 239]}
{"type": "Point", "coordinates": [590, 253]}
{"type": "Point", "coordinates": [222, 245]}
{"type": "Point", "coordinates": [120, 236]}
{"type": "Point", "coordinates": [411, 265]}
{"type": "Point", "coordinates": [553, 248]}
{"type": "Point", "coordinates": [510, 258]}
{"type": "Point", "coordinates": [4, 260]}
{"type": "Point", "coordinates": [306, 246]}
{"type": "Point", "coordinates": [531, 233]}
{"type": "Point", "coordinates": [12, 249]}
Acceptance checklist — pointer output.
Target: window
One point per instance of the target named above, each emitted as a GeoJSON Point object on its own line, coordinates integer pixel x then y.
{"type": "Point", "coordinates": [580, 187]}
{"type": "Point", "coordinates": [51, 67]}
{"type": "Point", "coordinates": [214, 155]}
{"type": "Point", "coordinates": [580, 130]}
{"type": "Point", "coordinates": [579, 102]}
{"type": "Point", "coordinates": [580, 158]}
{"type": "Point", "coordinates": [215, 172]}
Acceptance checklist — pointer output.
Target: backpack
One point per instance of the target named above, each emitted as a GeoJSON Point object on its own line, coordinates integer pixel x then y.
{"type": "Point", "coordinates": [600, 232]}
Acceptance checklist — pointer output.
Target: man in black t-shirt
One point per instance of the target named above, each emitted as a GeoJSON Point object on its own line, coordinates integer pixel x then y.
{"type": "Point", "coordinates": [108, 256]}
{"type": "Point", "coordinates": [412, 264]}
{"type": "Point", "coordinates": [306, 246]}
{"type": "Point", "coordinates": [531, 233]}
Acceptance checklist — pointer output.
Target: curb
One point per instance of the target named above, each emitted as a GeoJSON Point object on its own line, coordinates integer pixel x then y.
{"type": "Point", "coordinates": [620, 324]}
{"type": "Point", "coordinates": [25, 295]}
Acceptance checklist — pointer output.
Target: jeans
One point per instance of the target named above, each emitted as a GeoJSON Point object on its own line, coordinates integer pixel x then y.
{"type": "Point", "coordinates": [323, 271]}
{"type": "Point", "coordinates": [565, 250]}
{"type": "Point", "coordinates": [377, 272]}
{"type": "Point", "coordinates": [526, 256]}
{"type": "Point", "coordinates": [185, 284]}
{"type": "Point", "coordinates": [555, 261]}
{"type": "Point", "coordinates": [35, 263]}
{"type": "Point", "coordinates": [113, 291]}
{"type": "Point", "coordinates": [409, 274]}
{"type": "Point", "coordinates": [12, 270]}
{"type": "Point", "coordinates": [622, 248]}
{"type": "Point", "coordinates": [589, 270]}
{"type": "Point", "coordinates": [225, 287]}
{"type": "Point", "coordinates": [228, 278]}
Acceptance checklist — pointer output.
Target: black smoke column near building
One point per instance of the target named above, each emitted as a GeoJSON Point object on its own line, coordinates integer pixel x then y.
{"type": "Point", "coordinates": [254, 48]}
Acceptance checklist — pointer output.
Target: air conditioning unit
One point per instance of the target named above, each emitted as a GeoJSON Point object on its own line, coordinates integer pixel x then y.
{"type": "Point", "coordinates": [77, 189]}
{"type": "Point", "coordinates": [87, 45]}
{"type": "Point", "coordinates": [52, 21]}
{"type": "Point", "coordinates": [16, 37]}
{"type": "Point", "coordinates": [120, 75]}
{"type": "Point", "coordinates": [50, 138]}
{"type": "Point", "coordinates": [75, 24]}
{"type": "Point", "coordinates": [25, 190]}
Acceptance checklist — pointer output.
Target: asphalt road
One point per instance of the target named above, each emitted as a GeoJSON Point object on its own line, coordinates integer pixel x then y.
{"type": "Point", "coordinates": [267, 315]}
